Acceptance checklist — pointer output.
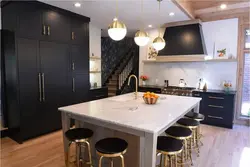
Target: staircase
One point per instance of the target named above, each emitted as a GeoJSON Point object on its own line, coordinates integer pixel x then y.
{"type": "Point", "coordinates": [119, 78]}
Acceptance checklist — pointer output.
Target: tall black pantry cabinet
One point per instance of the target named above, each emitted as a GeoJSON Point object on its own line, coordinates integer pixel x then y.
{"type": "Point", "coordinates": [46, 57]}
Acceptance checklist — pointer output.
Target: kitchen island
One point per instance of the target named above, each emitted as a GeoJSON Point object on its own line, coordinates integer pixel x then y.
{"type": "Point", "coordinates": [131, 119]}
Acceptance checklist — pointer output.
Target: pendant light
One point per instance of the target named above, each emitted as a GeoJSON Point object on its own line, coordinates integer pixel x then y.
{"type": "Point", "coordinates": [141, 37]}
{"type": "Point", "coordinates": [159, 43]}
{"type": "Point", "coordinates": [117, 30]}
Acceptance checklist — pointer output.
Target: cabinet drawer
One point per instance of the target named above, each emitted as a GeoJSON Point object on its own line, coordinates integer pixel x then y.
{"type": "Point", "coordinates": [218, 121]}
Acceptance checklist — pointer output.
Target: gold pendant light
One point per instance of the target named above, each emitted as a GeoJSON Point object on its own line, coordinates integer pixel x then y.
{"type": "Point", "coordinates": [159, 43]}
{"type": "Point", "coordinates": [117, 30]}
{"type": "Point", "coordinates": [141, 37]}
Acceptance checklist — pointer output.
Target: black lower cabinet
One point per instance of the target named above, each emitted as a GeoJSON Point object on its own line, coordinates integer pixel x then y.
{"type": "Point", "coordinates": [98, 93]}
{"type": "Point", "coordinates": [80, 88]}
{"type": "Point", "coordinates": [218, 108]}
{"type": "Point", "coordinates": [150, 89]}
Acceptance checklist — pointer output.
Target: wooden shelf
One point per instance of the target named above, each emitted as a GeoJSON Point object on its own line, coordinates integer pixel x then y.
{"type": "Point", "coordinates": [187, 61]}
{"type": "Point", "coordinates": [94, 58]}
{"type": "Point", "coordinates": [94, 71]}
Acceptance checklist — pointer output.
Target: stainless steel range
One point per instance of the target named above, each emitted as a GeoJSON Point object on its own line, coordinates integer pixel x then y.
{"type": "Point", "coordinates": [179, 91]}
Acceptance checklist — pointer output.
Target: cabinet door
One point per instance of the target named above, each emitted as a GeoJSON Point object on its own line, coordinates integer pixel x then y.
{"type": "Point", "coordinates": [79, 31]}
{"type": "Point", "coordinates": [29, 21]}
{"type": "Point", "coordinates": [55, 67]}
{"type": "Point", "coordinates": [80, 59]}
{"type": "Point", "coordinates": [57, 26]}
{"type": "Point", "coordinates": [80, 88]}
{"type": "Point", "coordinates": [27, 51]}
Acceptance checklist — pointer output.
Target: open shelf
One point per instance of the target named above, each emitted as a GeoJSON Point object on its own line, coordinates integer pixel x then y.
{"type": "Point", "coordinates": [94, 58]}
{"type": "Point", "coordinates": [95, 71]}
{"type": "Point", "coordinates": [204, 61]}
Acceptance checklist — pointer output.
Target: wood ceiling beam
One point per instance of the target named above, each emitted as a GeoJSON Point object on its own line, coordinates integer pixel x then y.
{"type": "Point", "coordinates": [186, 7]}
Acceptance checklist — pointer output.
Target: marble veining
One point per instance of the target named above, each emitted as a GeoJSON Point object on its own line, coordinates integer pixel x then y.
{"type": "Point", "coordinates": [124, 110]}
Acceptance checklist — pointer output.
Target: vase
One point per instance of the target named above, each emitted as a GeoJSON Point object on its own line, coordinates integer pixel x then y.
{"type": "Point", "coordinates": [226, 89]}
{"type": "Point", "coordinates": [144, 83]}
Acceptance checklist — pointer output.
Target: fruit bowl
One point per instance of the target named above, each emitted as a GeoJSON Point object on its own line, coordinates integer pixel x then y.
{"type": "Point", "coordinates": [150, 98]}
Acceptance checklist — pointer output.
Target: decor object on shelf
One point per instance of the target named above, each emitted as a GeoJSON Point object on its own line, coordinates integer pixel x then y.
{"type": "Point", "coordinates": [144, 78]}
{"type": "Point", "coordinates": [159, 43]}
{"type": "Point", "coordinates": [221, 51]}
{"type": "Point", "coordinates": [117, 30]}
{"type": "Point", "coordinates": [205, 87]}
{"type": "Point", "coordinates": [152, 53]}
{"type": "Point", "coordinates": [227, 85]}
{"type": "Point", "coordinates": [150, 98]}
{"type": "Point", "coordinates": [141, 37]}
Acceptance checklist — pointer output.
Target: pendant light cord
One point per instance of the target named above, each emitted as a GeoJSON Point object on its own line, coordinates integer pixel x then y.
{"type": "Point", "coordinates": [159, 16]}
{"type": "Point", "coordinates": [116, 9]}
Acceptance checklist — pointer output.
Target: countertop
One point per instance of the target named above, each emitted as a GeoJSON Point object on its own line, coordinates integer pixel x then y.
{"type": "Point", "coordinates": [126, 111]}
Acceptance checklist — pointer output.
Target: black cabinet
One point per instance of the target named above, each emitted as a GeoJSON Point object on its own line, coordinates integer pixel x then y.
{"type": "Point", "coordinates": [80, 58]}
{"type": "Point", "coordinates": [56, 26]}
{"type": "Point", "coordinates": [38, 57]}
{"type": "Point", "coordinates": [98, 93]}
{"type": "Point", "coordinates": [217, 107]}
{"type": "Point", "coordinates": [79, 31]}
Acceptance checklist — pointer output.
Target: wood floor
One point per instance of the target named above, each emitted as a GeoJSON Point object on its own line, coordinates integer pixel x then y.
{"type": "Point", "coordinates": [222, 148]}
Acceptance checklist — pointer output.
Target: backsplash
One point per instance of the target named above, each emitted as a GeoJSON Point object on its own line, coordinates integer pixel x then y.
{"type": "Point", "coordinates": [212, 73]}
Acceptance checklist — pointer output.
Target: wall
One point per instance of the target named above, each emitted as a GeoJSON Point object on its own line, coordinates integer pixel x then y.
{"type": "Point", "coordinates": [214, 73]}
{"type": "Point", "coordinates": [95, 48]}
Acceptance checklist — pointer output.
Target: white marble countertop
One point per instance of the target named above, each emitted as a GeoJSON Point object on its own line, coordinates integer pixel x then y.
{"type": "Point", "coordinates": [125, 111]}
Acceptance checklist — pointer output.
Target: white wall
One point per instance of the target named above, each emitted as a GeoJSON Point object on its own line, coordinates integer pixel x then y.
{"type": "Point", "coordinates": [214, 73]}
{"type": "Point", "coordinates": [95, 48]}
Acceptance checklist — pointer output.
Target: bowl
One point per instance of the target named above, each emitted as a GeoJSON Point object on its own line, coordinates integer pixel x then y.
{"type": "Point", "coordinates": [150, 100]}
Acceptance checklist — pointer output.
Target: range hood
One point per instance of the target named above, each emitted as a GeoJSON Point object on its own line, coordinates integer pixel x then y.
{"type": "Point", "coordinates": [184, 39]}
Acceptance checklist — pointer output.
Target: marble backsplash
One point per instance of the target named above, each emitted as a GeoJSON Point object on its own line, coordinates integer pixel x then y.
{"type": "Point", "coordinates": [212, 73]}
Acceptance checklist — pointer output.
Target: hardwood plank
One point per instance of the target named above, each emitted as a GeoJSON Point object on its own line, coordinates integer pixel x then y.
{"type": "Point", "coordinates": [222, 148]}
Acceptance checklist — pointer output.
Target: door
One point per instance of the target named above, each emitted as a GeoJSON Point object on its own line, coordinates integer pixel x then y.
{"type": "Point", "coordinates": [79, 31]}
{"type": "Point", "coordinates": [29, 21]}
{"type": "Point", "coordinates": [56, 89]}
{"type": "Point", "coordinates": [57, 26]}
{"type": "Point", "coordinates": [30, 102]}
{"type": "Point", "coordinates": [80, 88]}
{"type": "Point", "coordinates": [80, 59]}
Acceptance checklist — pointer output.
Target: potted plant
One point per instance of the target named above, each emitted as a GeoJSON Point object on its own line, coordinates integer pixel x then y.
{"type": "Point", "coordinates": [144, 78]}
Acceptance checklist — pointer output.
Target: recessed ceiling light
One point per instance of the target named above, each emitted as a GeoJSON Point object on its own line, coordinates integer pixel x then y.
{"type": "Point", "coordinates": [77, 4]}
{"type": "Point", "coordinates": [223, 6]}
{"type": "Point", "coordinates": [150, 26]}
{"type": "Point", "coordinates": [171, 14]}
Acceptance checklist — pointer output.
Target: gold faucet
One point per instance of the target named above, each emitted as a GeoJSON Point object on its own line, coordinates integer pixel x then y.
{"type": "Point", "coordinates": [136, 84]}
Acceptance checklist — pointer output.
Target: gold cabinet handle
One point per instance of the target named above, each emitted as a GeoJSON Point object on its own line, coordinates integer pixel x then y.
{"type": "Point", "coordinates": [73, 35]}
{"type": "Point", "coordinates": [73, 66]}
{"type": "Point", "coordinates": [73, 84]}
{"type": "Point", "coordinates": [214, 117]}
{"type": "Point", "coordinates": [40, 87]}
{"type": "Point", "coordinates": [48, 30]}
{"type": "Point", "coordinates": [214, 106]}
{"type": "Point", "coordinates": [44, 30]}
{"type": "Point", "coordinates": [213, 97]}
{"type": "Point", "coordinates": [43, 87]}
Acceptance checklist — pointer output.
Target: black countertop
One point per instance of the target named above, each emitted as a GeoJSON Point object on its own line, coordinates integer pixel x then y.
{"type": "Point", "coordinates": [151, 86]}
{"type": "Point", "coordinates": [215, 91]}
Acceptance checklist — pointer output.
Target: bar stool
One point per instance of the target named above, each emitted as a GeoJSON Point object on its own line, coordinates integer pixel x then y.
{"type": "Point", "coordinates": [185, 135]}
{"type": "Point", "coordinates": [198, 117]}
{"type": "Point", "coordinates": [169, 148]}
{"type": "Point", "coordinates": [192, 125]}
{"type": "Point", "coordinates": [80, 136]}
{"type": "Point", "coordinates": [111, 148]}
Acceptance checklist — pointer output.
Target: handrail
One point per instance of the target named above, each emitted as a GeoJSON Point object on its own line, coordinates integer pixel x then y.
{"type": "Point", "coordinates": [126, 62]}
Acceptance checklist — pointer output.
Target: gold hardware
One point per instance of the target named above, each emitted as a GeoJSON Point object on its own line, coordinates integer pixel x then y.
{"type": "Point", "coordinates": [73, 35]}
{"type": "Point", "coordinates": [212, 97]}
{"type": "Point", "coordinates": [214, 117]}
{"type": "Point", "coordinates": [73, 84]}
{"type": "Point", "coordinates": [111, 156]}
{"type": "Point", "coordinates": [48, 30]}
{"type": "Point", "coordinates": [214, 106]}
{"type": "Point", "coordinates": [44, 30]}
{"type": "Point", "coordinates": [136, 84]}
{"type": "Point", "coordinates": [43, 86]}
{"type": "Point", "coordinates": [40, 87]}
{"type": "Point", "coordinates": [73, 66]}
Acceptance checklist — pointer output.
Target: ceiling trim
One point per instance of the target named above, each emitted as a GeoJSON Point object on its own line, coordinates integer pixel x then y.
{"type": "Point", "coordinates": [185, 7]}
{"type": "Point", "coordinates": [217, 9]}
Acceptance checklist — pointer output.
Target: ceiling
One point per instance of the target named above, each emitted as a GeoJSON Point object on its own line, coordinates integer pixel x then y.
{"type": "Point", "coordinates": [102, 12]}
